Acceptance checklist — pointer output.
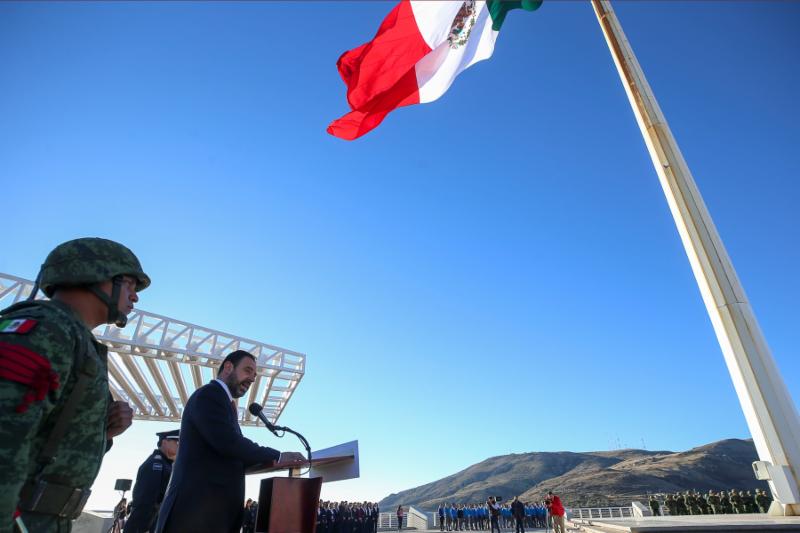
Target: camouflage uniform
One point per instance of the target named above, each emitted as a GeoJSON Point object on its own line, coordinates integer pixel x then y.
{"type": "Point", "coordinates": [713, 501]}
{"type": "Point", "coordinates": [655, 507]}
{"type": "Point", "coordinates": [725, 503]}
{"type": "Point", "coordinates": [749, 502]}
{"type": "Point", "coordinates": [55, 345]}
{"type": "Point", "coordinates": [686, 498]}
{"type": "Point", "coordinates": [705, 508]}
{"type": "Point", "coordinates": [694, 504]}
{"type": "Point", "coordinates": [680, 505]}
{"type": "Point", "coordinates": [737, 502]}
{"type": "Point", "coordinates": [762, 500]}
{"type": "Point", "coordinates": [669, 501]}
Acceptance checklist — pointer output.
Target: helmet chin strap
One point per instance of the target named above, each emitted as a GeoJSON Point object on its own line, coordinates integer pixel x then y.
{"type": "Point", "coordinates": [112, 302]}
{"type": "Point", "coordinates": [35, 290]}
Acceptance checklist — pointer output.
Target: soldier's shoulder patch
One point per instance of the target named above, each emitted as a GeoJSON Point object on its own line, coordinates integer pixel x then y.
{"type": "Point", "coordinates": [158, 466]}
{"type": "Point", "coordinates": [19, 326]}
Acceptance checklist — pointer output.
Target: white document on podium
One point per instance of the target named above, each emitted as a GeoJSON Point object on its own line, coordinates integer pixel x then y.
{"type": "Point", "coordinates": [345, 468]}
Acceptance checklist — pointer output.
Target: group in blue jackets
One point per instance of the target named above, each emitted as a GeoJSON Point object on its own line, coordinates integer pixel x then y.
{"type": "Point", "coordinates": [476, 517]}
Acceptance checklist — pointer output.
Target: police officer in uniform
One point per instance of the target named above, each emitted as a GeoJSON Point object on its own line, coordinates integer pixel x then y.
{"type": "Point", "coordinates": [151, 483]}
{"type": "Point", "coordinates": [57, 417]}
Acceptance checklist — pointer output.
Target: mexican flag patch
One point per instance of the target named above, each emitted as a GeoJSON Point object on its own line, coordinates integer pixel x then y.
{"type": "Point", "coordinates": [17, 325]}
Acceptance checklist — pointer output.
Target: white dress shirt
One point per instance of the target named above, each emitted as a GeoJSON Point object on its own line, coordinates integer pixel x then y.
{"type": "Point", "coordinates": [225, 388]}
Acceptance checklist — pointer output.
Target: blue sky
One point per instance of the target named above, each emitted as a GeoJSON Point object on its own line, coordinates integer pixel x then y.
{"type": "Point", "coordinates": [494, 272]}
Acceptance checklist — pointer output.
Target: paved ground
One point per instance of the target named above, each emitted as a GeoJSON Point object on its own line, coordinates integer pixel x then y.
{"type": "Point", "coordinates": [504, 530]}
{"type": "Point", "coordinates": [695, 524]}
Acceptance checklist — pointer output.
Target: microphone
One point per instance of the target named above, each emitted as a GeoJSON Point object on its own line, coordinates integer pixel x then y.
{"type": "Point", "coordinates": [255, 410]}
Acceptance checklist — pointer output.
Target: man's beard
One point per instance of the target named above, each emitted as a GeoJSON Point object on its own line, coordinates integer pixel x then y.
{"type": "Point", "coordinates": [236, 388]}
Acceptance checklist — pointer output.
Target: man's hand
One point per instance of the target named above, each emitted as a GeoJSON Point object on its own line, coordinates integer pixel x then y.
{"type": "Point", "coordinates": [292, 457]}
{"type": "Point", "coordinates": [120, 418]}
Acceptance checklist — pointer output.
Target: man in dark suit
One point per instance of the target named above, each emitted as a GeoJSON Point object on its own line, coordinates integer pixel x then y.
{"type": "Point", "coordinates": [518, 512]}
{"type": "Point", "coordinates": [206, 492]}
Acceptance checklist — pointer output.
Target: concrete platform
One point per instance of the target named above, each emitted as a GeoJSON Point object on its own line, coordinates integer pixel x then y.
{"type": "Point", "coordinates": [693, 524]}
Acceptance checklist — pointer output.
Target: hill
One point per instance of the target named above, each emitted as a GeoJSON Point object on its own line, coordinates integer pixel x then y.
{"type": "Point", "coordinates": [591, 478]}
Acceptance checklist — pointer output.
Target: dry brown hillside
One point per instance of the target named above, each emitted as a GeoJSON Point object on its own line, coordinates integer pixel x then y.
{"type": "Point", "coordinates": [591, 478]}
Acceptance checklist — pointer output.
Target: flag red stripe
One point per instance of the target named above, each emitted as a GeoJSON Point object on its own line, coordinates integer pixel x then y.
{"type": "Point", "coordinates": [26, 326]}
{"type": "Point", "coordinates": [358, 122]}
{"type": "Point", "coordinates": [380, 74]}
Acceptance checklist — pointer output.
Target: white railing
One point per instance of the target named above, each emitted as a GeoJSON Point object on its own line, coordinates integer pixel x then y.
{"type": "Point", "coordinates": [597, 513]}
{"type": "Point", "coordinates": [412, 519]}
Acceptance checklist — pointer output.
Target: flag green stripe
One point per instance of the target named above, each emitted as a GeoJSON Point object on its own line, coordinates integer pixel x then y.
{"type": "Point", "coordinates": [499, 8]}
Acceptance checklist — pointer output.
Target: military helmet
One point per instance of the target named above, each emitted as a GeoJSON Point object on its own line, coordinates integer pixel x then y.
{"type": "Point", "coordinates": [88, 261]}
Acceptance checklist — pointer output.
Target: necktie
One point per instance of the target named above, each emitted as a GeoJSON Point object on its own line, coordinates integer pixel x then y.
{"type": "Point", "coordinates": [236, 416]}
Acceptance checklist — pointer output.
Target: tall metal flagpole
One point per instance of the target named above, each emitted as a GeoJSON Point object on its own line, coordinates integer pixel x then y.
{"type": "Point", "coordinates": [768, 408]}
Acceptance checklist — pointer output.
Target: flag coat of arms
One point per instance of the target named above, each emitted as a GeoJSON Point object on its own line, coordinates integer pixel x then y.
{"type": "Point", "coordinates": [420, 48]}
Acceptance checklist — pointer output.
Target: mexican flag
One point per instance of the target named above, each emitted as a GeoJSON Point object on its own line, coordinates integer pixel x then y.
{"type": "Point", "coordinates": [420, 48]}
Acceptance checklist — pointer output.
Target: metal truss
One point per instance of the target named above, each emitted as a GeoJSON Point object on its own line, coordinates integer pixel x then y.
{"type": "Point", "coordinates": [156, 362]}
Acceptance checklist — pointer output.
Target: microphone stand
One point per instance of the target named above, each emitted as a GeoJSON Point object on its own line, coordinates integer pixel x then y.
{"type": "Point", "coordinates": [302, 439]}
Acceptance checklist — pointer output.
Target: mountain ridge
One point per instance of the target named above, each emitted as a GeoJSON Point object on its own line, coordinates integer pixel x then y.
{"type": "Point", "coordinates": [598, 478]}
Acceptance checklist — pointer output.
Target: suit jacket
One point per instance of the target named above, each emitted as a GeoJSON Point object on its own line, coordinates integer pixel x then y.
{"type": "Point", "coordinates": [206, 492]}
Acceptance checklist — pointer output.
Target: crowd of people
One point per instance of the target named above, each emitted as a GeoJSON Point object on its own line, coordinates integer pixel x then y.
{"type": "Point", "coordinates": [715, 502]}
{"type": "Point", "coordinates": [477, 517]}
{"type": "Point", "coordinates": [494, 515]}
{"type": "Point", "coordinates": [250, 513]}
{"type": "Point", "coordinates": [347, 517]}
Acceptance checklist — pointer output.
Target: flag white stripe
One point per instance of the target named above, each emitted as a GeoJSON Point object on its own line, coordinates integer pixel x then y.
{"type": "Point", "coordinates": [434, 18]}
{"type": "Point", "coordinates": [438, 69]}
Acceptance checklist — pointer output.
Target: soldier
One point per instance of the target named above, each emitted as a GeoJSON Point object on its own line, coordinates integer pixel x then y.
{"type": "Point", "coordinates": [736, 501]}
{"type": "Point", "coordinates": [713, 501]}
{"type": "Point", "coordinates": [762, 500]}
{"type": "Point", "coordinates": [688, 500]}
{"type": "Point", "coordinates": [151, 483]}
{"type": "Point", "coordinates": [725, 503]}
{"type": "Point", "coordinates": [748, 502]}
{"type": "Point", "coordinates": [680, 504]}
{"type": "Point", "coordinates": [655, 507]}
{"type": "Point", "coordinates": [694, 501]}
{"type": "Point", "coordinates": [57, 417]}
{"type": "Point", "coordinates": [669, 501]}
{"type": "Point", "coordinates": [702, 500]}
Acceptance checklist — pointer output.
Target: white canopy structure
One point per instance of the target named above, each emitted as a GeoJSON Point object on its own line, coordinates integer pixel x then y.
{"type": "Point", "coordinates": [156, 362]}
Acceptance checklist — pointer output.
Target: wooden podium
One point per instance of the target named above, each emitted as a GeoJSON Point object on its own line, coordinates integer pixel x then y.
{"type": "Point", "coordinates": [288, 505]}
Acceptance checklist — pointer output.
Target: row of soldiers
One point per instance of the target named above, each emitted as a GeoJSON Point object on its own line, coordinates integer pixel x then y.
{"type": "Point", "coordinates": [694, 503]}
{"type": "Point", "coordinates": [347, 517]}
